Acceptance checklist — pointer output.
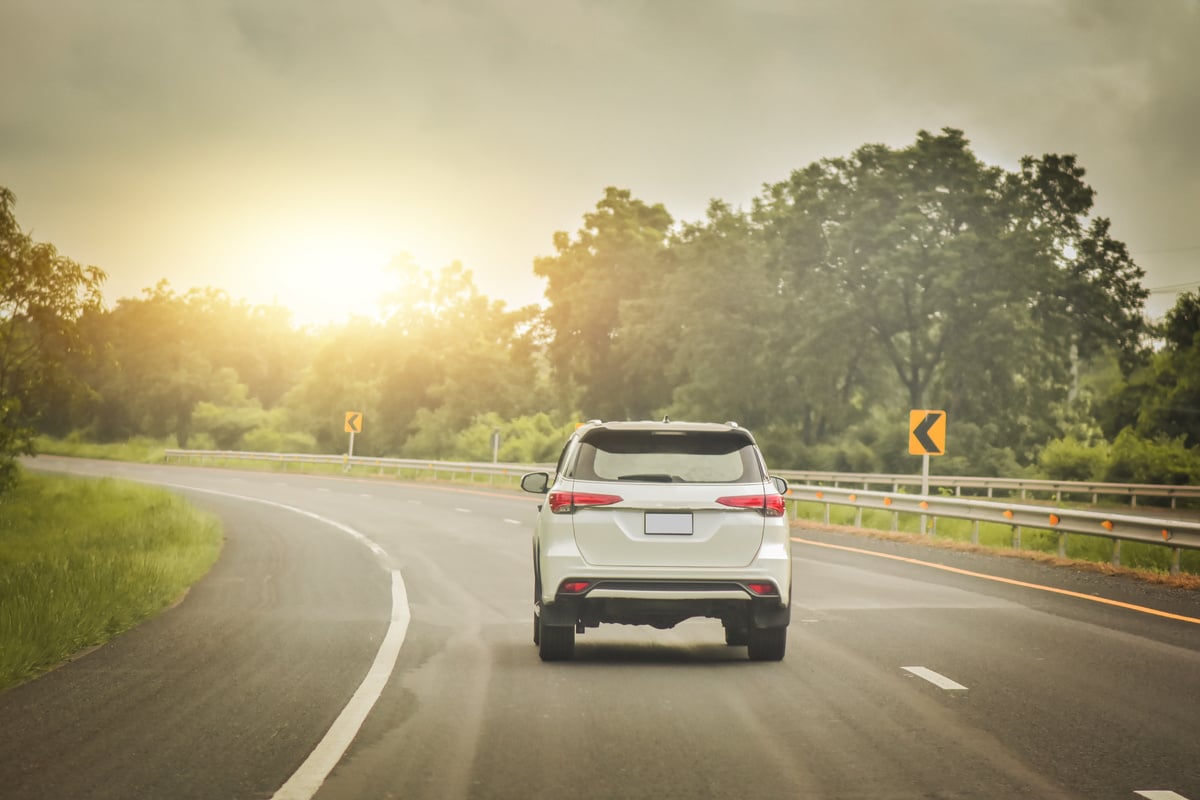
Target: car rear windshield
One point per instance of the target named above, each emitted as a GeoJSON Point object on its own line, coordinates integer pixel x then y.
{"type": "Point", "coordinates": [667, 457]}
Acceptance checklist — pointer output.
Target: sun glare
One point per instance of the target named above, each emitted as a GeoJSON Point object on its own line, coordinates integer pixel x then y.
{"type": "Point", "coordinates": [326, 276]}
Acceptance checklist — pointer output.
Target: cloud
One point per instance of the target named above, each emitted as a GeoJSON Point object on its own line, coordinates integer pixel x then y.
{"type": "Point", "coordinates": [140, 133]}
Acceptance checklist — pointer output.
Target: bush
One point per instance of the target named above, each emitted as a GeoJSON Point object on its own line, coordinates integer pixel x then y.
{"type": "Point", "coordinates": [1068, 459]}
{"type": "Point", "coordinates": [1162, 460]}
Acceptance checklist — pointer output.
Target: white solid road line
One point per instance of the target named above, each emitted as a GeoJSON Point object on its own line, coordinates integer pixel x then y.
{"type": "Point", "coordinates": [316, 768]}
{"type": "Point", "coordinates": [305, 782]}
{"type": "Point", "coordinates": [937, 679]}
{"type": "Point", "coordinates": [1160, 794]}
{"type": "Point", "coordinates": [463, 510]}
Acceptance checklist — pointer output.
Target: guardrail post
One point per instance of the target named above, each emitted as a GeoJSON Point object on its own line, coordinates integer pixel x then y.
{"type": "Point", "coordinates": [1175, 560]}
{"type": "Point", "coordinates": [895, 521]}
{"type": "Point", "coordinates": [1116, 559]}
{"type": "Point", "coordinates": [1016, 537]}
{"type": "Point", "coordinates": [858, 517]}
{"type": "Point", "coordinates": [827, 505]}
{"type": "Point", "coordinates": [1062, 545]}
{"type": "Point", "coordinates": [975, 531]}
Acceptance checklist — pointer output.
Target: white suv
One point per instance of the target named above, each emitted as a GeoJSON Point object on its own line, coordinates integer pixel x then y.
{"type": "Point", "coordinates": [652, 523]}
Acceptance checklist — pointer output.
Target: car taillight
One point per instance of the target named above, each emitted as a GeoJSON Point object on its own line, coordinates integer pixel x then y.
{"type": "Point", "coordinates": [573, 587]}
{"type": "Point", "coordinates": [762, 589]}
{"type": "Point", "coordinates": [769, 505]}
{"type": "Point", "coordinates": [567, 502]}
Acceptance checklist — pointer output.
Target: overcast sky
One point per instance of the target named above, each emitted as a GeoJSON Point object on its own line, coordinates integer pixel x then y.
{"type": "Point", "coordinates": [287, 148]}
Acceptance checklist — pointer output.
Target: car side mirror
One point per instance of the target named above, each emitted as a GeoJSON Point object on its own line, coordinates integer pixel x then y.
{"type": "Point", "coordinates": [780, 485]}
{"type": "Point", "coordinates": [536, 482]}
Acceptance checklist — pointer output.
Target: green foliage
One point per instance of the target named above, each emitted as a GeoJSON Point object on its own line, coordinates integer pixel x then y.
{"type": "Point", "coordinates": [972, 284]}
{"type": "Point", "coordinates": [139, 448]}
{"type": "Point", "coordinates": [227, 425]}
{"type": "Point", "coordinates": [42, 296]}
{"type": "Point", "coordinates": [1134, 459]}
{"type": "Point", "coordinates": [1068, 459]}
{"type": "Point", "coordinates": [84, 560]}
{"type": "Point", "coordinates": [616, 255]}
{"type": "Point", "coordinates": [532, 439]}
{"type": "Point", "coordinates": [851, 291]}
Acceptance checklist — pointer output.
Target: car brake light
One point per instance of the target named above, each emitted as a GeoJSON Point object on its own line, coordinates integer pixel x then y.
{"type": "Point", "coordinates": [769, 505]}
{"type": "Point", "coordinates": [567, 502]}
{"type": "Point", "coordinates": [762, 589]}
{"type": "Point", "coordinates": [573, 587]}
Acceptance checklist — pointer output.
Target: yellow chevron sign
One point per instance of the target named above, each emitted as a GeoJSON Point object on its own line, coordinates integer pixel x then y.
{"type": "Point", "coordinates": [926, 432]}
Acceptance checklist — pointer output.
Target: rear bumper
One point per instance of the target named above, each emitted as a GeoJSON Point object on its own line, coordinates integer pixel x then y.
{"type": "Point", "coordinates": [666, 603]}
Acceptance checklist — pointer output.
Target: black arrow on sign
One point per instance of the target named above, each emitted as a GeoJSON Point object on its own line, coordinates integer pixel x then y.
{"type": "Point", "coordinates": [354, 421]}
{"type": "Point", "coordinates": [922, 433]}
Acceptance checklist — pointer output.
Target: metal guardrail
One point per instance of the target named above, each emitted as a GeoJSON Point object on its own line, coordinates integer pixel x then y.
{"type": "Point", "coordinates": [1020, 486]}
{"type": "Point", "coordinates": [1175, 534]}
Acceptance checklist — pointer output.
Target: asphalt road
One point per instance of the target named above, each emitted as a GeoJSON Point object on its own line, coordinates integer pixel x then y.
{"type": "Point", "coordinates": [902, 680]}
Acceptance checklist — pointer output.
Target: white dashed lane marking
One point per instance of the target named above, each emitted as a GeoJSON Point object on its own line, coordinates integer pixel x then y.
{"type": "Point", "coordinates": [463, 510]}
{"type": "Point", "coordinates": [1160, 794]}
{"type": "Point", "coordinates": [937, 679]}
{"type": "Point", "coordinates": [514, 522]}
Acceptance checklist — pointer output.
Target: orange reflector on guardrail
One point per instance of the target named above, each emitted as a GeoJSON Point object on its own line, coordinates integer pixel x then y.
{"type": "Point", "coordinates": [1107, 525]}
{"type": "Point", "coordinates": [1008, 513]}
{"type": "Point", "coordinates": [1054, 519]}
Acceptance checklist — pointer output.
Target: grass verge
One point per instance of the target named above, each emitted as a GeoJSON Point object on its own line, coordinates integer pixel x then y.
{"type": "Point", "coordinates": [1148, 562]}
{"type": "Point", "coordinates": [140, 448]}
{"type": "Point", "coordinates": [82, 560]}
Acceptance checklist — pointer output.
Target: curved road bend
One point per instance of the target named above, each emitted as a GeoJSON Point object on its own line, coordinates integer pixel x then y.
{"type": "Point", "coordinates": [901, 680]}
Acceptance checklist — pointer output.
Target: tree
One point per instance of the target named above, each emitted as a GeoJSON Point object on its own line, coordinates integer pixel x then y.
{"type": "Point", "coordinates": [616, 255]}
{"type": "Point", "coordinates": [976, 285]}
{"type": "Point", "coordinates": [42, 295]}
{"type": "Point", "coordinates": [1162, 397]}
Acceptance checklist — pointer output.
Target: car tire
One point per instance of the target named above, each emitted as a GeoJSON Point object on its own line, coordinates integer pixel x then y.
{"type": "Point", "coordinates": [555, 642]}
{"type": "Point", "coordinates": [736, 635]}
{"type": "Point", "coordinates": [767, 644]}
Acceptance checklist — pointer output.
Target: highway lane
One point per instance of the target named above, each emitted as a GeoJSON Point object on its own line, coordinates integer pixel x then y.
{"type": "Point", "coordinates": [1062, 698]}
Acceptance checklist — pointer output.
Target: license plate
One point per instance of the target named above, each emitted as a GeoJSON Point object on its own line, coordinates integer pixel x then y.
{"type": "Point", "coordinates": [663, 524]}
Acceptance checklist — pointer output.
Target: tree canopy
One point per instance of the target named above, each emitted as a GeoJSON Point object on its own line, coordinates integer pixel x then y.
{"type": "Point", "coordinates": [42, 295]}
{"type": "Point", "coordinates": [852, 290]}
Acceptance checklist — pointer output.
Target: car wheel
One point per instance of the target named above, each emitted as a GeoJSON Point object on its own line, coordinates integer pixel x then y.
{"type": "Point", "coordinates": [736, 635]}
{"type": "Point", "coordinates": [537, 627]}
{"type": "Point", "coordinates": [555, 642]}
{"type": "Point", "coordinates": [767, 644]}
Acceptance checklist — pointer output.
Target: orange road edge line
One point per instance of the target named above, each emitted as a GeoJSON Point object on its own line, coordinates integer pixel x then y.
{"type": "Point", "coordinates": [1131, 607]}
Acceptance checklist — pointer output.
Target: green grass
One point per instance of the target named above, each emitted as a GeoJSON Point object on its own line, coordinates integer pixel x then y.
{"type": "Point", "coordinates": [1134, 555]}
{"type": "Point", "coordinates": [141, 449]}
{"type": "Point", "coordinates": [82, 560]}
